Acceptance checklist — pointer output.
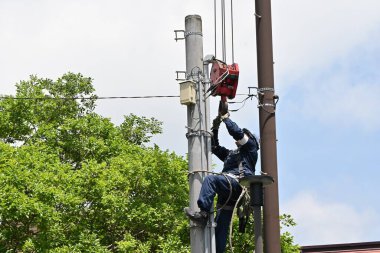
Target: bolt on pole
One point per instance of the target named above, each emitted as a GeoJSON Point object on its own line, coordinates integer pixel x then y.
{"type": "Point", "coordinates": [267, 119]}
{"type": "Point", "coordinates": [199, 143]}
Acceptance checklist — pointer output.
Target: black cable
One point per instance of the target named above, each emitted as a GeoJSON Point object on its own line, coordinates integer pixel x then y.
{"type": "Point", "coordinates": [241, 102]}
{"type": "Point", "coordinates": [85, 98]}
{"type": "Point", "coordinates": [215, 27]}
{"type": "Point", "coordinates": [88, 98]}
{"type": "Point", "coordinates": [232, 33]}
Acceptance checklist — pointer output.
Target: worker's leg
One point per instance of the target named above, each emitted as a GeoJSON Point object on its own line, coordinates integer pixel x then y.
{"type": "Point", "coordinates": [223, 220]}
{"type": "Point", "coordinates": [224, 216]}
{"type": "Point", "coordinates": [212, 185]}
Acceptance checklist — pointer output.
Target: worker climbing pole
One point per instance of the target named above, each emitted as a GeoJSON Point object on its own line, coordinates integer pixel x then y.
{"type": "Point", "coordinates": [195, 91]}
{"type": "Point", "coordinates": [222, 82]}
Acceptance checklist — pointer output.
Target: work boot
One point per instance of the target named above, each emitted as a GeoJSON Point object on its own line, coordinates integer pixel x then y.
{"type": "Point", "coordinates": [199, 217]}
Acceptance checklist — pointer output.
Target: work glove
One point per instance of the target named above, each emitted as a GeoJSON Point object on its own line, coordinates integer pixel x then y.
{"type": "Point", "coordinates": [225, 116]}
{"type": "Point", "coordinates": [216, 122]}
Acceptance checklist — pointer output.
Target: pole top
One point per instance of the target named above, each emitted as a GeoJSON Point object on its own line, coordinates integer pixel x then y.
{"type": "Point", "coordinates": [196, 16]}
{"type": "Point", "coordinates": [257, 179]}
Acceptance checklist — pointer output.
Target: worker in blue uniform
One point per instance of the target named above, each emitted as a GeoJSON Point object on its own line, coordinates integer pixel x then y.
{"type": "Point", "coordinates": [238, 163]}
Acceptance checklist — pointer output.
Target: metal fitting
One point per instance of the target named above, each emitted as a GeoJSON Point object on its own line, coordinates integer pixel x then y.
{"type": "Point", "coordinates": [193, 33]}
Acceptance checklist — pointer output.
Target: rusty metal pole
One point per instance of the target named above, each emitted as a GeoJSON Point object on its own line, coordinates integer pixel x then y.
{"type": "Point", "coordinates": [267, 119]}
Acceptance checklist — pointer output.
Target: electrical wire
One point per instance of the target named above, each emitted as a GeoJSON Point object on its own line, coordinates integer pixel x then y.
{"type": "Point", "coordinates": [215, 28]}
{"type": "Point", "coordinates": [85, 98]}
{"type": "Point", "coordinates": [241, 102]}
{"type": "Point", "coordinates": [232, 33]}
{"type": "Point", "coordinates": [223, 8]}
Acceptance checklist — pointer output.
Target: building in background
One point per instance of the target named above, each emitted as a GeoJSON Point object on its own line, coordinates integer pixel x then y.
{"type": "Point", "coordinates": [362, 247]}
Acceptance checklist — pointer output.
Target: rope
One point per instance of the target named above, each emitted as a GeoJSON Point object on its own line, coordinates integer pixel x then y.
{"type": "Point", "coordinates": [244, 191]}
{"type": "Point", "coordinates": [216, 173]}
{"type": "Point", "coordinates": [229, 195]}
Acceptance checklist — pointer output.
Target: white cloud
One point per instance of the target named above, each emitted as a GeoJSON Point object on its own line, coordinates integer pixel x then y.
{"type": "Point", "coordinates": [343, 93]}
{"type": "Point", "coordinates": [337, 103]}
{"type": "Point", "coordinates": [310, 34]}
{"type": "Point", "coordinates": [321, 221]}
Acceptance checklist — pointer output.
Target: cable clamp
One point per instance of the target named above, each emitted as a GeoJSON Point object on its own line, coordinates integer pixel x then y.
{"type": "Point", "coordinates": [269, 105]}
{"type": "Point", "coordinates": [194, 133]}
{"type": "Point", "coordinates": [262, 90]}
{"type": "Point", "coordinates": [261, 98]}
{"type": "Point", "coordinates": [198, 133]}
{"type": "Point", "coordinates": [192, 33]}
{"type": "Point", "coordinates": [202, 171]}
{"type": "Point", "coordinates": [195, 74]}
{"type": "Point", "coordinates": [194, 224]}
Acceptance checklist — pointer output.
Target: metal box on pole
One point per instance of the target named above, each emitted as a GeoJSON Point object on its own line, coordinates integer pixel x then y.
{"type": "Point", "coordinates": [187, 92]}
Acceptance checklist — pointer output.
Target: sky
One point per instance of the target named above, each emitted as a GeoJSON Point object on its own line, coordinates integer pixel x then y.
{"type": "Point", "coordinates": [326, 75]}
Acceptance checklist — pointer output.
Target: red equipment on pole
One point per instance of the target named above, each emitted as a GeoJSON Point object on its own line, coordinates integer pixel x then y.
{"type": "Point", "coordinates": [224, 79]}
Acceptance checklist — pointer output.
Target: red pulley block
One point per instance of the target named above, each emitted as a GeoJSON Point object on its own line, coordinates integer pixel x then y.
{"type": "Point", "coordinates": [224, 79]}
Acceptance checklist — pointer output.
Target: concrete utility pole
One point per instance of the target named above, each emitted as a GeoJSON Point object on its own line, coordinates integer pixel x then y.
{"type": "Point", "coordinates": [199, 142]}
{"type": "Point", "coordinates": [267, 118]}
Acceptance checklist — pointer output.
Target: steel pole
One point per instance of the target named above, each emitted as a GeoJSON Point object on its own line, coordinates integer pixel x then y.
{"type": "Point", "coordinates": [267, 118]}
{"type": "Point", "coordinates": [198, 128]}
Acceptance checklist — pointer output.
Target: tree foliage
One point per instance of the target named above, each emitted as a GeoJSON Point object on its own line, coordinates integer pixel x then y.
{"type": "Point", "coordinates": [72, 181]}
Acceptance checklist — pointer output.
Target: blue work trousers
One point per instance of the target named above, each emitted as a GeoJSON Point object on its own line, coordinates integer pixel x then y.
{"type": "Point", "coordinates": [221, 185]}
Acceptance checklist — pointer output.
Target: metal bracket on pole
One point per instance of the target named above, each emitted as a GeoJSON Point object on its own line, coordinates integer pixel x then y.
{"type": "Point", "coordinates": [176, 35]}
{"type": "Point", "coordinates": [180, 72]}
{"type": "Point", "coordinates": [261, 95]}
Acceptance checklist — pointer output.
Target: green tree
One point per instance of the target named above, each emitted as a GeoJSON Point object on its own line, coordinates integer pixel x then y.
{"type": "Point", "coordinates": [53, 102]}
{"type": "Point", "coordinates": [72, 181]}
{"type": "Point", "coordinates": [244, 242]}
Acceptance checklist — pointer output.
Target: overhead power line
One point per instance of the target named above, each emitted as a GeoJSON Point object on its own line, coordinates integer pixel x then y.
{"type": "Point", "coordinates": [94, 98]}
{"type": "Point", "coordinates": [86, 98]}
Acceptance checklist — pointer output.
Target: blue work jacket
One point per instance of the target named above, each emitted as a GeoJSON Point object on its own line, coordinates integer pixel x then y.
{"type": "Point", "coordinates": [246, 154]}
